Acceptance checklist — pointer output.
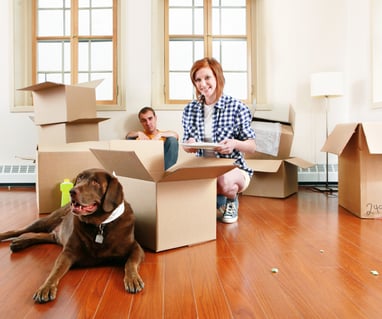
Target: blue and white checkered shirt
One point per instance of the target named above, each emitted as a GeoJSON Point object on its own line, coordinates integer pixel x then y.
{"type": "Point", "coordinates": [231, 120]}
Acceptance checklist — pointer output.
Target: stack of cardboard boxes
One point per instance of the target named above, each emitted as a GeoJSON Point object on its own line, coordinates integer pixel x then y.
{"type": "Point", "coordinates": [275, 170]}
{"type": "Point", "coordinates": [173, 208]}
{"type": "Point", "coordinates": [65, 113]}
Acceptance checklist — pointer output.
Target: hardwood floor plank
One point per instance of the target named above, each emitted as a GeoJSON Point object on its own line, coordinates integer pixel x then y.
{"type": "Point", "coordinates": [323, 253]}
{"type": "Point", "coordinates": [211, 301]}
{"type": "Point", "coordinates": [179, 301]}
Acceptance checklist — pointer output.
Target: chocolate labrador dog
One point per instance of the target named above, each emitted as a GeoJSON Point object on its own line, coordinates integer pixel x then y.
{"type": "Point", "coordinates": [96, 227]}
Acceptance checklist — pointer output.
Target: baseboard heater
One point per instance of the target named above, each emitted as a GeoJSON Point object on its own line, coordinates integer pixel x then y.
{"type": "Point", "coordinates": [26, 174]}
{"type": "Point", "coordinates": [13, 174]}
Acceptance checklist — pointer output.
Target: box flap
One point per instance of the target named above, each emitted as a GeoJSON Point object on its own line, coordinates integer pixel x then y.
{"type": "Point", "coordinates": [149, 152]}
{"type": "Point", "coordinates": [277, 113]}
{"type": "Point", "coordinates": [198, 168]}
{"type": "Point", "coordinates": [372, 131]}
{"type": "Point", "coordinates": [41, 86]}
{"type": "Point", "coordinates": [91, 84]}
{"type": "Point", "coordinates": [123, 163]}
{"type": "Point", "coordinates": [339, 137]}
{"type": "Point", "coordinates": [299, 162]}
{"type": "Point", "coordinates": [266, 166]}
{"type": "Point", "coordinates": [48, 85]}
{"type": "Point", "coordinates": [94, 120]}
{"type": "Point", "coordinates": [73, 147]}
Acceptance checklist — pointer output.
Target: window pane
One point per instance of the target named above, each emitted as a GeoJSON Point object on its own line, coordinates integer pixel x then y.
{"type": "Point", "coordinates": [102, 22]}
{"type": "Point", "coordinates": [180, 3]}
{"type": "Point", "coordinates": [104, 90]}
{"type": "Point", "coordinates": [83, 56]}
{"type": "Point", "coordinates": [228, 21]}
{"type": "Point", "coordinates": [180, 86]}
{"type": "Point", "coordinates": [51, 23]}
{"type": "Point", "coordinates": [50, 56]}
{"type": "Point", "coordinates": [51, 77]}
{"type": "Point", "coordinates": [83, 22]}
{"type": "Point", "coordinates": [234, 55]}
{"type": "Point", "coordinates": [181, 56]}
{"type": "Point", "coordinates": [236, 84]}
{"type": "Point", "coordinates": [53, 3]}
{"type": "Point", "coordinates": [230, 3]}
{"type": "Point", "coordinates": [101, 56]}
{"type": "Point", "coordinates": [102, 3]}
{"type": "Point", "coordinates": [180, 21]}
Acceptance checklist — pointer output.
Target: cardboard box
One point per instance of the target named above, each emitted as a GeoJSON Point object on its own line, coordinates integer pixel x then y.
{"type": "Point", "coordinates": [173, 208]}
{"type": "Point", "coordinates": [274, 130]}
{"type": "Point", "coordinates": [70, 132]}
{"type": "Point", "coordinates": [57, 162]}
{"type": "Point", "coordinates": [275, 178]}
{"type": "Point", "coordinates": [58, 103]}
{"type": "Point", "coordinates": [359, 150]}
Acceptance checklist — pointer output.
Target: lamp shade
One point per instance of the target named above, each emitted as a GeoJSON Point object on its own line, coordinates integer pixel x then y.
{"type": "Point", "coordinates": [326, 84]}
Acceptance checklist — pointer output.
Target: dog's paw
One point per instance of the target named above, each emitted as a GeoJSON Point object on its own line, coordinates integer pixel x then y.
{"type": "Point", "coordinates": [45, 294]}
{"type": "Point", "coordinates": [17, 244]}
{"type": "Point", "coordinates": [133, 283]}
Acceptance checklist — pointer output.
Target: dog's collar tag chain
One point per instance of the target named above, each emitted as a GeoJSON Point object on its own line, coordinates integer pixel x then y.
{"type": "Point", "coordinates": [114, 215]}
{"type": "Point", "coordinates": [99, 237]}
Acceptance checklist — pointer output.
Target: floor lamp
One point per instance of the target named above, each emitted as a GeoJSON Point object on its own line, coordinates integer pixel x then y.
{"type": "Point", "coordinates": [326, 84]}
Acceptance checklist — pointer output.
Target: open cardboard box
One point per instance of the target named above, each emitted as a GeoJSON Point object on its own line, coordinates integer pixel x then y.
{"type": "Point", "coordinates": [275, 178]}
{"type": "Point", "coordinates": [173, 208]}
{"type": "Point", "coordinates": [69, 132]}
{"type": "Point", "coordinates": [359, 150]}
{"type": "Point", "coordinates": [274, 130]}
{"type": "Point", "coordinates": [57, 103]}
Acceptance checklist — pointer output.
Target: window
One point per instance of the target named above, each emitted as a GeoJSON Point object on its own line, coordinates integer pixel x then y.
{"type": "Point", "coordinates": [72, 41]}
{"type": "Point", "coordinates": [216, 28]}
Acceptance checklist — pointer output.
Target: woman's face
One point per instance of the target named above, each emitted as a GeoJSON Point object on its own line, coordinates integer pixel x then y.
{"type": "Point", "coordinates": [205, 83]}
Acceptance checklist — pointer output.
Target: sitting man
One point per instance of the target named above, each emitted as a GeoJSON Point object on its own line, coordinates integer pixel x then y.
{"type": "Point", "coordinates": [148, 120]}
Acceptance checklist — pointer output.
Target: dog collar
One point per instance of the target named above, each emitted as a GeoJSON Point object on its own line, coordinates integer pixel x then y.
{"type": "Point", "coordinates": [115, 214]}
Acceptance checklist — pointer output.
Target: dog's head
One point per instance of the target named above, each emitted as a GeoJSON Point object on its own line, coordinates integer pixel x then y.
{"type": "Point", "coordinates": [95, 190]}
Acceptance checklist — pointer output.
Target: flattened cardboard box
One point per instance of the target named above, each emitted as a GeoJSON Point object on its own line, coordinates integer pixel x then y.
{"type": "Point", "coordinates": [57, 103]}
{"type": "Point", "coordinates": [359, 150]}
{"type": "Point", "coordinates": [69, 132]}
{"type": "Point", "coordinates": [173, 208]}
{"type": "Point", "coordinates": [275, 178]}
{"type": "Point", "coordinates": [274, 130]}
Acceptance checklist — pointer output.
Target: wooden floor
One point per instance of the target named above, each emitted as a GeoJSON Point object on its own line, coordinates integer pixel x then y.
{"type": "Point", "coordinates": [323, 254]}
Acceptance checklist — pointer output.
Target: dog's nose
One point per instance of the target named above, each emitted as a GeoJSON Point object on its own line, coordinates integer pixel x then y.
{"type": "Point", "coordinates": [73, 192]}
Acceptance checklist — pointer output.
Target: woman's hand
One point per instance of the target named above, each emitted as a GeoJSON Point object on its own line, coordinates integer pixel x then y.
{"type": "Point", "coordinates": [226, 146]}
{"type": "Point", "coordinates": [189, 149]}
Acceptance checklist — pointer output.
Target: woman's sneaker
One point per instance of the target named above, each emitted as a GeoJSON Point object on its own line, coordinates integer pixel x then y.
{"type": "Point", "coordinates": [230, 214]}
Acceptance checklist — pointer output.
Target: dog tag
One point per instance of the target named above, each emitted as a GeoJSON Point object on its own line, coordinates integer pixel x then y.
{"type": "Point", "coordinates": [99, 239]}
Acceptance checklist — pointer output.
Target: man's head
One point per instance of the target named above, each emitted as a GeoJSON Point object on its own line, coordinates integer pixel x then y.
{"type": "Point", "coordinates": [148, 119]}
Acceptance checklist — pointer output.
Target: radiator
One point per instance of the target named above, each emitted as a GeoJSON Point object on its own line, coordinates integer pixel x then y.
{"type": "Point", "coordinates": [26, 174]}
{"type": "Point", "coordinates": [317, 173]}
{"type": "Point", "coordinates": [17, 174]}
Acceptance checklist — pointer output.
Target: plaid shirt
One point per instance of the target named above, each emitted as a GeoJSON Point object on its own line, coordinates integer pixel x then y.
{"type": "Point", "coordinates": [231, 120]}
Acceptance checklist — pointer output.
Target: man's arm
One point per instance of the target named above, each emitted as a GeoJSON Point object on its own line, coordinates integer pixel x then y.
{"type": "Point", "coordinates": [169, 134]}
{"type": "Point", "coordinates": [138, 135]}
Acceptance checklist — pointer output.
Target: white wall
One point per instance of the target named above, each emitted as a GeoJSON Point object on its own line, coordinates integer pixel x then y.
{"type": "Point", "coordinates": [300, 37]}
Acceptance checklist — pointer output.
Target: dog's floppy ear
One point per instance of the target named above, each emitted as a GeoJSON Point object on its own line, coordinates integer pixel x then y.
{"type": "Point", "coordinates": [113, 196]}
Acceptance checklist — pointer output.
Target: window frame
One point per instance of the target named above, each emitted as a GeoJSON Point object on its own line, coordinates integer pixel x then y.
{"type": "Point", "coordinates": [208, 39]}
{"type": "Point", "coordinates": [28, 75]}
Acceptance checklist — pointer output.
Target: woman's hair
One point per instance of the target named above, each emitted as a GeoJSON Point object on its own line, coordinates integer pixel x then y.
{"type": "Point", "coordinates": [217, 70]}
